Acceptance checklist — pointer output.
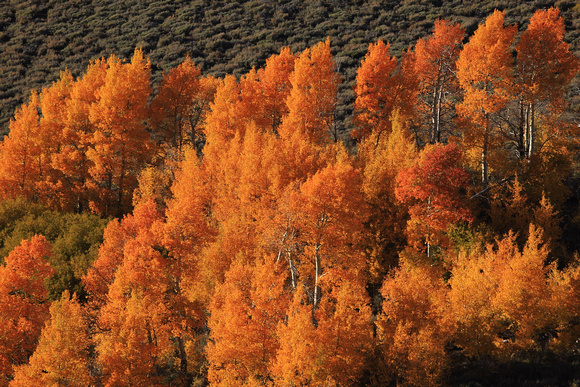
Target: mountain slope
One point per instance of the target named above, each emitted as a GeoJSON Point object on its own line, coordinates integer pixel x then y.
{"type": "Point", "coordinates": [38, 39]}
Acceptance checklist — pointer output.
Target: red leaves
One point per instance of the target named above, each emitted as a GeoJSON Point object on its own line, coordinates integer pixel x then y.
{"type": "Point", "coordinates": [433, 188]}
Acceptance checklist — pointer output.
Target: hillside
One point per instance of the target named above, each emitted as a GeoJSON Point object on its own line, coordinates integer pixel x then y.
{"type": "Point", "coordinates": [216, 231]}
{"type": "Point", "coordinates": [38, 39]}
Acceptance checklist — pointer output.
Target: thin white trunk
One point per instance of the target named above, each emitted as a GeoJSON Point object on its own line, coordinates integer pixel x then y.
{"type": "Point", "coordinates": [532, 128]}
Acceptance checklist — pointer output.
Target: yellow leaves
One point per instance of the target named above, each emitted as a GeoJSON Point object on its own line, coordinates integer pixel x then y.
{"type": "Point", "coordinates": [413, 328]}
{"type": "Point", "coordinates": [500, 297]}
{"type": "Point", "coordinates": [62, 354]}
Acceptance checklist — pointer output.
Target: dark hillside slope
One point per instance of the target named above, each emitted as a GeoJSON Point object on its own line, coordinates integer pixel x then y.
{"type": "Point", "coordinates": [38, 39]}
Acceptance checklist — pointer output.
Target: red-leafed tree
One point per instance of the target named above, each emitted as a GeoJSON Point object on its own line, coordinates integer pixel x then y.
{"type": "Point", "coordinates": [433, 188]}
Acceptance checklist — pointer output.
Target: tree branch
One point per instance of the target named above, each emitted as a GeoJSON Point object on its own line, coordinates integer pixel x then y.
{"type": "Point", "coordinates": [486, 190]}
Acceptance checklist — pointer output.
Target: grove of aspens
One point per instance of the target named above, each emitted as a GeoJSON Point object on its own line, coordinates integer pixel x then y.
{"type": "Point", "coordinates": [225, 231]}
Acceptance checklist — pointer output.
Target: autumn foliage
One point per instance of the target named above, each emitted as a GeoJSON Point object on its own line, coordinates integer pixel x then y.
{"type": "Point", "coordinates": [247, 245]}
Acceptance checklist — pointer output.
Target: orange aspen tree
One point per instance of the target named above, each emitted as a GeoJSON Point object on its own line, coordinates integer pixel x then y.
{"type": "Point", "coordinates": [473, 281]}
{"type": "Point", "coordinates": [545, 67]}
{"type": "Point", "coordinates": [334, 350]}
{"type": "Point", "coordinates": [331, 210]}
{"type": "Point", "coordinates": [244, 313]}
{"type": "Point", "coordinates": [146, 319]}
{"type": "Point", "coordinates": [382, 158]}
{"type": "Point", "coordinates": [242, 163]}
{"type": "Point", "coordinates": [181, 105]}
{"type": "Point", "coordinates": [190, 226]}
{"type": "Point", "coordinates": [432, 187]}
{"type": "Point", "coordinates": [53, 101]}
{"type": "Point", "coordinates": [24, 300]}
{"type": "Point", "coordinates": [512, 210]}
{"type": "Point", "coordinates": [412, 330]}
{"type": "Point", "coordinates": [71, 163]}
{"type": "Point", "coordinates": [276, 86]}
{"type": "Point", "coordinates": [117, 234]}
{"type": "Point", "coordinates": [23, 161]}
{"type": "Point", "coordinates": [383, 87]}
{"type": "Point", "coordinates": [565, 291]}
{"type": "Point", "coordinates": [62, 354]}
{"type": "Point", "coordinates": [434, 65]}
{"type": "Point", "coordinates": [485, 73]}
{"type": "Point", "coordinates": [223, 120]}
{"type": "Point", "coordinates": [259, 97]}
{"type": "Point", "coordinates": [325, 263]}
{"type": "Point", "coordinates": [501, 298]}
{"type": "Point", "coordinates": [313, 97]}
{"type": "Point", "coordinates": [376, 90]}
{"type": "Point", "coordinates": [242, 199]}
{"type": "Point", "coordinates": [523, 298]}
{"type": "Point", "coordinates": [121, 145]}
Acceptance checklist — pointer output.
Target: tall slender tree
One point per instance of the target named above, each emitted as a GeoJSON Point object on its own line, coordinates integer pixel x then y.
{"type": "Point", "coordinates": [485, 73]}
{"type": "Point", "coordinates": [62, 354]}
{"type": "Point", "coordinates": [24, 300]}
{"type": "Point", "coordinates": [434, 65]}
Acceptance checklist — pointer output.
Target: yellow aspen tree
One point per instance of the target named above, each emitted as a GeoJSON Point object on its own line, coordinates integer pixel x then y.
{"type": "Point", "coordinates": [412, 330]}
{"type": "Point", "coordinates": [62, 354]}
